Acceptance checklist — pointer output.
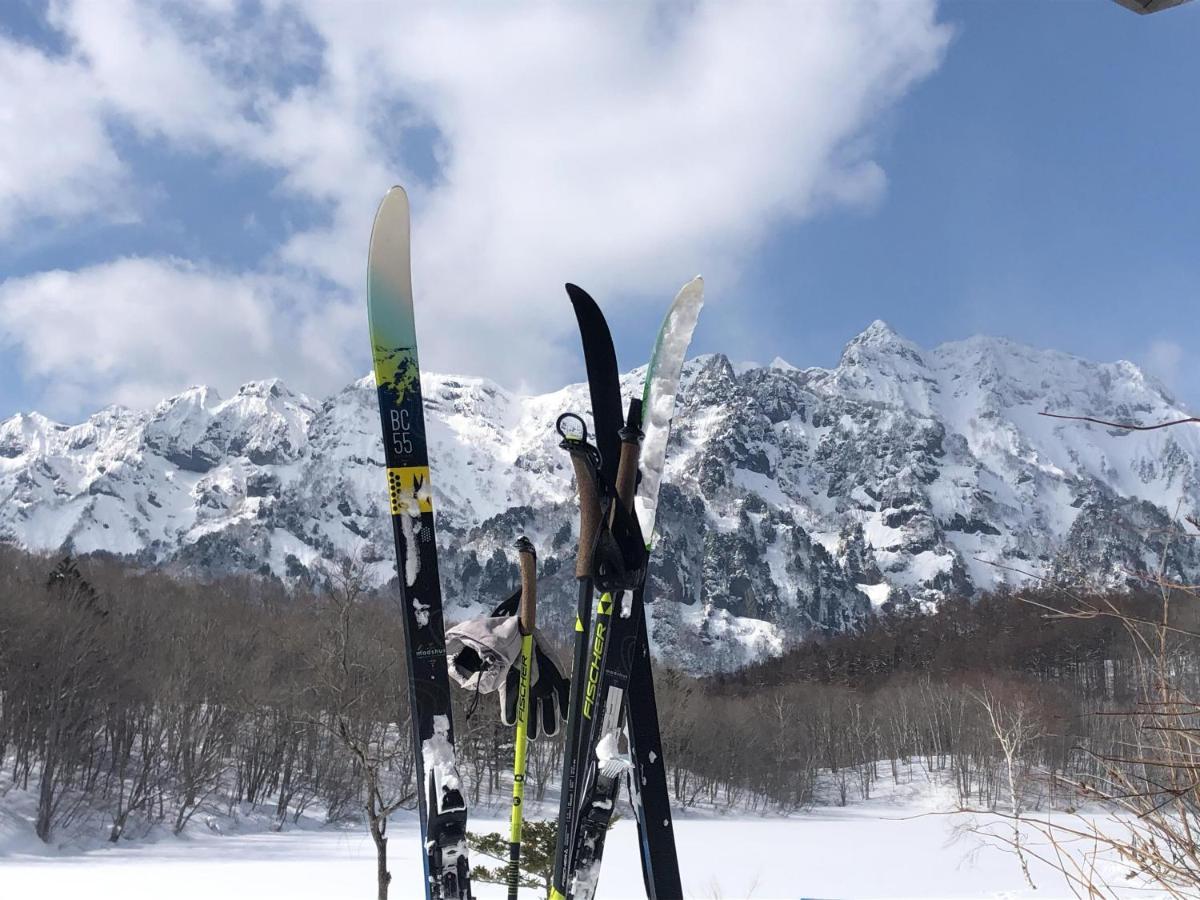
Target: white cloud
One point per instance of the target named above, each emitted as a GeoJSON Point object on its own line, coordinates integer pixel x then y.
{"type": "Point", "coordinates": [125, 331]}
{"type": "Point", "coordinates": [1164, 360]}
{"type": "Point", "coordinates": [56, 160]}
{"type": "Point", "coordinates": [623, 146]}
{"type": "Point", "coordinates": [149, 74]}
{"type": "Point", "coordinates": [584, 143]}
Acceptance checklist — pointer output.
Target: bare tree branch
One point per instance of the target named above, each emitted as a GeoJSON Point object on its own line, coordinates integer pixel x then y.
{"type": "Point", "coordinates": [1126, 425]}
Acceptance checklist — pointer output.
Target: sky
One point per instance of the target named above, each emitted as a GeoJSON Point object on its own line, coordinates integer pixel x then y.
{"type": "Point", "coordinates": [187, 188]}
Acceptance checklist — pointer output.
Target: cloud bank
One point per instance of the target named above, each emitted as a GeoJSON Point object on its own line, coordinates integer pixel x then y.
{"type": "Point", "coordinates": [623, 146]}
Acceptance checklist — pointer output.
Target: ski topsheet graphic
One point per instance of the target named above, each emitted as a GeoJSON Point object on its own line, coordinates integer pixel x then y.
{"type": "Point", "coordinates": [443, 810]}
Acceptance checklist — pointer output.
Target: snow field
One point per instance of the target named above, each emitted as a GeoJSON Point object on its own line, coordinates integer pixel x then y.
{"type": "Point", "coordinates": [904, 843]}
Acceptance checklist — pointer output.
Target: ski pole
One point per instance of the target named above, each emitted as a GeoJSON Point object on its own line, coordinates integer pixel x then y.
{"type": "Point", "coordinates": [574, 435]}
{"type": "Point", "coordinates": [527, 618]}
{"type": "Point", "coordinates": [595, 805]}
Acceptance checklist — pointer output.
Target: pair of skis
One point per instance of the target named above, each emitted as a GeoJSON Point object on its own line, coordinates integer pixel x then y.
{"type": "Point", "coordinates": [613, 730]}
{"type": "Point", "coordinates": [612, 694]}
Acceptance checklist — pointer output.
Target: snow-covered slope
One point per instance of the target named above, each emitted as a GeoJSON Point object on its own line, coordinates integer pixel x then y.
{"type": "Point", "coordinates": [795, 498]}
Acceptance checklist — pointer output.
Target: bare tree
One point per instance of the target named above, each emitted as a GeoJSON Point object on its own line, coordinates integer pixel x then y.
{"type": "Point", "coordinates": [1015, 727]}
{"type": "Point", "coordinates": [1151, 771]}
{"type": "Point", "coordinates": [362, 691]}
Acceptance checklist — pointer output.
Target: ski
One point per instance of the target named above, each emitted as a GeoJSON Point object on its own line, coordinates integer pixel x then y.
{"type": "Point", "coordinates": [441, 803]}
{"type": "Point", "coordinates": [603, 761]}
{"type": "Point", "coordinates": [604, 379]}
{"type": "Point", "coordinates": [617, 695]}
{"type": "Point", "coordinates": [651, 798]}
{"type": "Point", "coordinates": [593, 466]}
{"type": "Point", "coordinates": [648, 782]}
{"type": "Point", "coordinates": [663, 376]}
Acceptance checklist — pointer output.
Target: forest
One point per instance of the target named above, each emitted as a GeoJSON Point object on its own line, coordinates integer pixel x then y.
{"type": "Point", "coordinates": [131, 699]}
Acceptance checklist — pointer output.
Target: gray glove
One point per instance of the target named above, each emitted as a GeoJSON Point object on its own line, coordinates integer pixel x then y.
{"type": "Point", "coordinates": [481, 652]}
{"type": "Point", "coordinates": [484, 655]}
{"type": "Point", "coordinates": [547, 692]}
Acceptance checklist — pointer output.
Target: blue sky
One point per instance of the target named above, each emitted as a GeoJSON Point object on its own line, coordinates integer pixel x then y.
{"type": "Point", "coordinates": [190, 186]}
{"type": "Point", "coordinates": [1041, 186]}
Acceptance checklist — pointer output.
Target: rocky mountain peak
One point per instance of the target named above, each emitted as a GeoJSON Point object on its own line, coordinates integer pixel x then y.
{"type": "Point", "coordinates": [795, 501]}
{"type": "Point", "coordinates": [780, 364]}
{"type": "Point", "coordinates": [881, 365]}
{"type": "Point", "coordinates": [269, 389]}
{"type": "Point", "coordinates": [878, 332]}
{"type": "Point", "coordinates": [878, 341]}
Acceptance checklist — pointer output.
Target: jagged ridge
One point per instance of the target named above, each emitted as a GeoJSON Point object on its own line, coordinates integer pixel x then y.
{"type": "Point", "coordinates": [796, 498]}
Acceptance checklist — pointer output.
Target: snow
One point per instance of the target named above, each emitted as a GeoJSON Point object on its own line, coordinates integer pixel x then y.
{"type": "Point", "coordinates": [412, 557]}
{"type": "Point", "coordinates": [878, 593]}
{"type": "Point", "coordinates": [778, 557]}
{"type": "Point", "coordinates": [830, 540]}
{"type": "Point", "coordinates": [928, 564]}
{"type": "Point", "coordinates": [437, 756]}
{"type": "Point", "coordinates": [420, 612]}
{"type": "Point", "coordinates": [902, 440]}
{"type": "Point", "coordinates": [613, 761]}
{"type": "Point", "coordinates": [779, 364]}
{"type": "Point", "coordinates": [906, 842]}
{"type": "Point", "coordinates": [768, 488]}
{"type": "Point", "coordinates": [749, 638]}
{"type": "Point", "coordinates": [879, 535]}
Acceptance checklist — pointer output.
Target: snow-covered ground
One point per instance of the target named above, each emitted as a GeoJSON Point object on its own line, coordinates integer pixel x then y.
{"type": "Point", "coordinates": [903, 843]}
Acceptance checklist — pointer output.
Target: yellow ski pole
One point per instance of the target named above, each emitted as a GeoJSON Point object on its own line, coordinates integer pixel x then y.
{"type": "Point", "coordinates": [527, 617]}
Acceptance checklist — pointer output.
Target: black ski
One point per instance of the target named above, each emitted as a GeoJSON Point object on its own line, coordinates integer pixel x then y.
{"type": "Point", "coordinates": [648, 781]}
{"type": "Point", "coordinates": [594, 466]}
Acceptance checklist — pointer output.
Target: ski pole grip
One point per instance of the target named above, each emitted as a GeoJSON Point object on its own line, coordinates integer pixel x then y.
{"type": "Point", "coordinates": [527, 610]}
{"type": "Point", "coordinates": [589, 509]}
{"type": "Point", "coordinates": [627, 462]}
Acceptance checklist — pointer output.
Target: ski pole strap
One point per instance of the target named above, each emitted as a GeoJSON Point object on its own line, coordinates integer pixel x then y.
{"type": "Point", "coordinates": [627, 464]}
{"type": "Point", "coordinates": [527, 611]}
{"type": "Point", "coordinates": [619, 560]}
{"type": "Point", "coordinates": [584, 461]}
{"type": "Point", "coordinates": [620, 553]}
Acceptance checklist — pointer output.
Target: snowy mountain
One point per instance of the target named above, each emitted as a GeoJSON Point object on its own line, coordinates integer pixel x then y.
{"type": "Point", "coordinates": [795, 499]}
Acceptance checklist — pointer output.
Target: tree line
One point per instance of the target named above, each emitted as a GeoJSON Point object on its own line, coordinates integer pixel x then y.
{"type": "Point", "coordinates": [146, 699]}
{"type": "Point", "coordinates": [131, 699]}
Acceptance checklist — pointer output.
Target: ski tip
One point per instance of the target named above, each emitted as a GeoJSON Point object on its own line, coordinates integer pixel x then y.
{"type": "Point", "coordinates": [585, 305]}
{"type": "Point", "coordinates": [578, 294]}
{"type": "Point", "coordinates": [393, 206]}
